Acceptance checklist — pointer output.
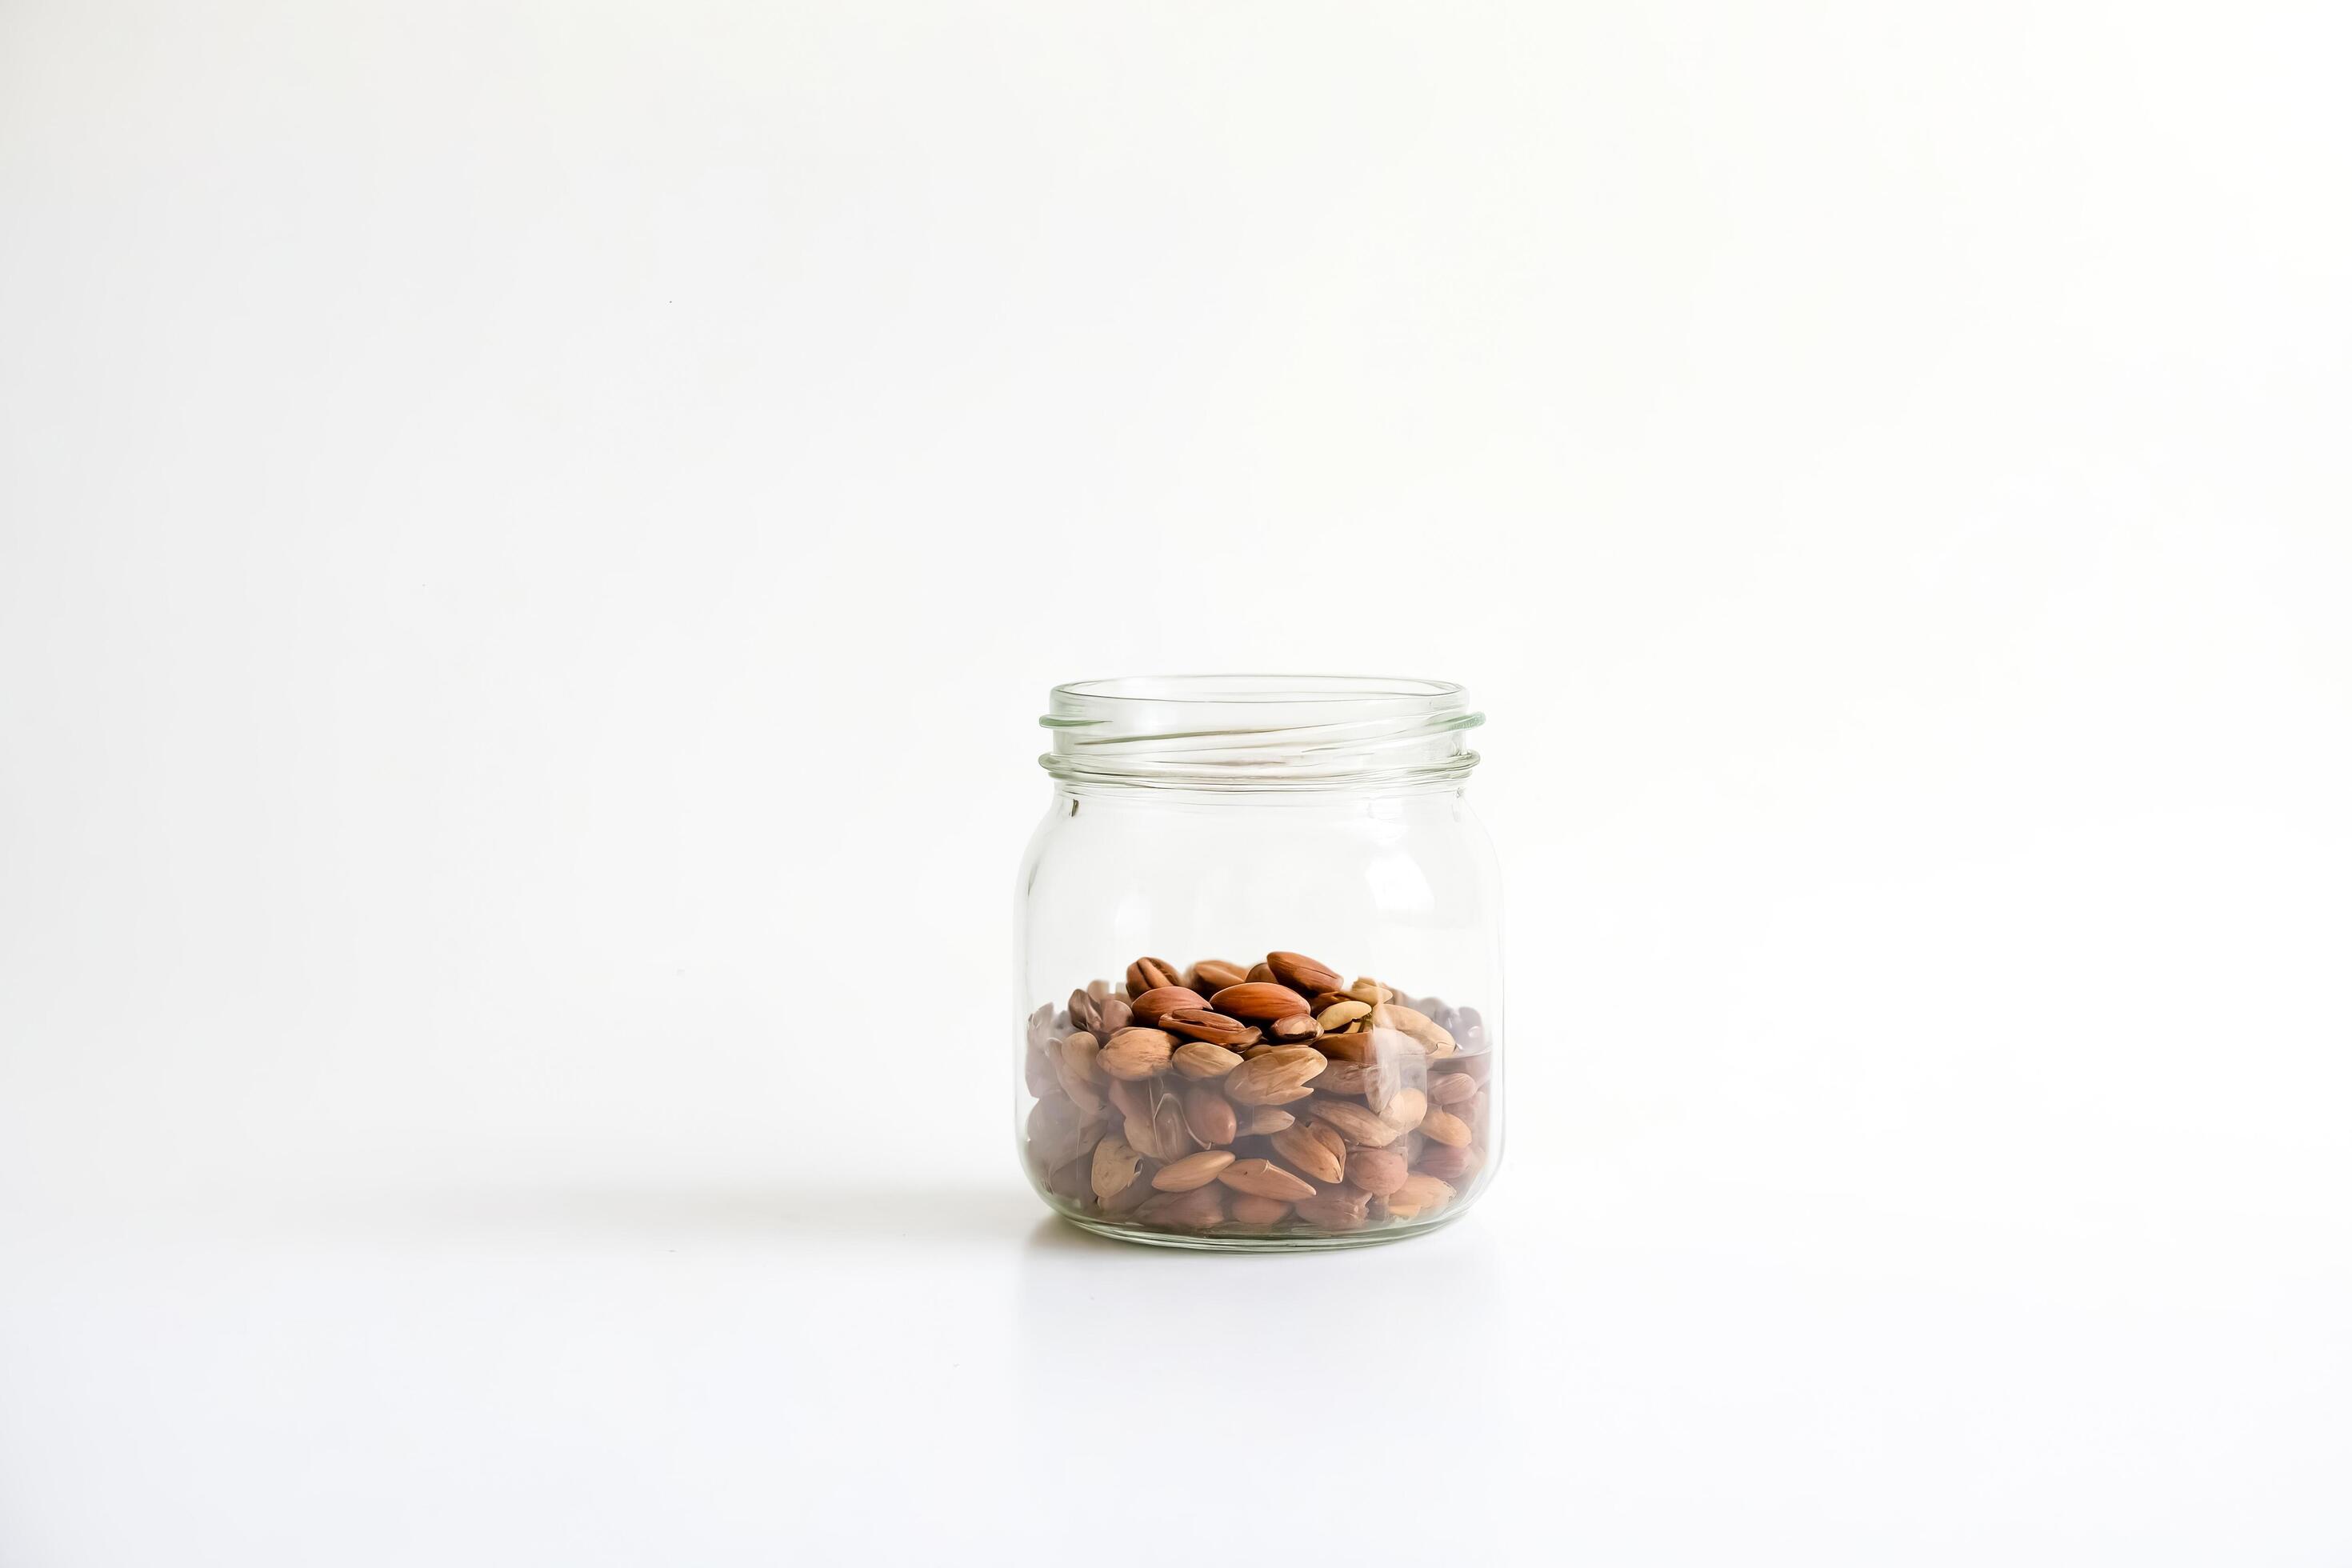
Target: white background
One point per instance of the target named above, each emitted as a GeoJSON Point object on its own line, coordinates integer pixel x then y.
{"type": "Point", "coordinates": [532, 541]}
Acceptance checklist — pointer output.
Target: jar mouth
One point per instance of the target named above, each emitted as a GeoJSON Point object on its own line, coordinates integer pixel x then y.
{"type": "Point", "coordinates": [1260, 732]}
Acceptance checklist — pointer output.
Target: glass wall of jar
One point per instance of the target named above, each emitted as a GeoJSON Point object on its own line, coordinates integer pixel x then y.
{"type": "Point", "coordinates": [1260, 969]}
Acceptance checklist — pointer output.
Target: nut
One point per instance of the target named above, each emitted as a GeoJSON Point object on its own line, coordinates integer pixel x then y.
{"type": "Point", "coordinates": [1371, 991]}
{"type": "Point", "coordinates": [1342, 1013]}
{"type": "Point", "coordinates": [1078, 1057]}
{"type": "Point", "coordinates": [1150, 974]}
{"type": "Point", "coordinates": [1258, 1002]}
{"type": "Point", "coordinates": [1153, 1005]}
{"type": "Point", "coordinates": [1354, 1122]}
{"type": "Point", "coordinates": [1200, 1059]}
{"type": "Point", "coordinates": [1337, 1208]}
{"type": "Point", "coordinates": [1301, 972]}
{"type": "Point", "coordinates": [1215, 975]}
{"type": "Point", "coordinates": [1315, 1150]}
{"type": "Point", "coordinates": [1115, 1166]}
{"type": "Point", "coordinates": [1442, 1126]}
{"type": "Point", "coordinates": [1424, 1030]}
{"type": "Point", "coordinates": [1201, 1024]}
{"type": "Point", "coordinates": [1452, 1088]}
{"type": "Point", "coordinates": [1265, 1179]}
{"type": "Point", "coordinates": [1419, 1195]}
{"type": "Point", "coordinates": [1405, 1108]}
{"type": "Point", "coordinates": [1277, 1077]}
{"type": "Point", "coordinates": [1259, 973]}
{"type": "Point", "coordinates": [1203, 1208]}
{"type": "Point", "coordinates": [1209, 1116]}
{"type": "Point", "coordinates": [1447, 1163]}
{"type": "Point", "coordinates": [1378, 1172]}
{"type": "Point", "coordinates": [1300, 1027]}
{"type": "Point", "coordinates": [1192, 1170]}
{"type": "Point", "coordinates": [1136, 1052]}
{"type": "Point", "coordinates": [1248, 1208]}
{"type": "Point", "coordinates": [1265, 1118]}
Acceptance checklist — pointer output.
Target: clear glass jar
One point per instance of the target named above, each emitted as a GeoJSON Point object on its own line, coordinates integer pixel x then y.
{"type": "Point", "coordinates": [1260, 963]}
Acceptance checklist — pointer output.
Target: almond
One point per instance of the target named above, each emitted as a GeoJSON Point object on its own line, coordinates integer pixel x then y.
{"type": "Point", "coordinates": [1136, 1053]}
{"type": "Point", "coordinates": [1248, 1208]}
{"type": "Point", "coordinates": [1209, 1116]}
{"type": "Point", "coordinates": [1260, 973]}
{"type": "Point", "coordinates": [1257, 1002]}
{"type": "Point", "coordinates": [1083, 1095]}
{"type": "Point", "coordinates": [1316, 1160]}
{"type": "Point", "coordinates": [1150, 974]}
{"type": "Point", "coordinates": [1453, 1089]}
{"type": "Point", "coordinates": [1335, 1208]}
{"type": "Point", "coordinates": [1082, 1012]}
{"type": "Point", "coordinates": [1405, 1108]}
{"type": "Point", "coordinates": [1267, 1119]}
{"type": "Point", "coordinates": [1115, 1164]}
{"type": "Point", "coordinates": [1371, 1046]}
{"type": "Point", "coordinates": [1416, 1024]}
{"type": "Point", "coordinates": [1077, 1053]}
{"type": "Point", "coordinates": [1339, 1015]}
{"type": "Point", "coordinates": [1277, 1077]}
{"type": "Point", "coordinates": [1419, 1195]}
{"type": "Point", "coordinates": [1201, 1024]}
{"type": "Point", "coordinates": [1371, 991]}
{"type": "Point", "coordinates": [1300, 1027]}
{"type": "Point", "coordinates": [1447, 1163]}
{"type": "Point", "coordinates": [1215, 975]}
{"type": "Point", "coordinates": [1058, 1131]}
{"type": "Point", "coordinates": [1265, 1179]}
{"type": "Point", "coordinates": [1301, 972]}
{"type": "Point", "coordinates": [1201, 1208]}
{"type": "Point", "coordinates": [1441, 1126]}
{"type": "Point", "coordinates": [1200, 1059]}
{"type": "Point", "coordinates": [1354, 1122]}
{"type": "Point", "coordinates": [1153, 1005]}
{"type": "Point", "coordinates": [1111, 1014]}
{"type": "Point", "coordinates": [1378, 1172]}
{"type": "Point", "coordinates": [1128, 1100]}
{"type": "Point", "coordinates": [1192, 1170]}
{"type": "Point", "coordinates": [1172, 1140]}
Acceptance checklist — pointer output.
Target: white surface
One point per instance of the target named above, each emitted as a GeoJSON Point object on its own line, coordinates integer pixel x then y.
{"type": "Point", "coordinates": [530, 542]}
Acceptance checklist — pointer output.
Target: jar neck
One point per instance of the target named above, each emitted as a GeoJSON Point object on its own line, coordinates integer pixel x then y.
{"type": "Point", "coordinates": [1260, 734]}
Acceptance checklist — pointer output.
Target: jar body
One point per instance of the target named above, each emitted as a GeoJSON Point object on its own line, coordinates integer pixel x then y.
{"type": "Point", "coordinates": [1260, 1020]}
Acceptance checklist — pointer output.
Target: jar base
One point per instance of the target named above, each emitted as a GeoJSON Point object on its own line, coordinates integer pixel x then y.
{"type": "Point", "coordinates": [1261, 1241]}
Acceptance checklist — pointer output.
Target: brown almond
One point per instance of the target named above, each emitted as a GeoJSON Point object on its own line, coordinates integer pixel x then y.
{"type": "Point", "coordinates": [1209, 1116]}
{"type": "Point", "coordinates": [1077, 1052]}
{"type": "Point", "coordinates": [1150, 974]}
{"type": "Point", "coordinates": [1111, 1014]}
{"type": "Point", "coordinates": [1153, 1005]}
{"type": "Point", "coordinates": [1201, 1024]}
{"type": "Point", "coordinates": [1265, 1179]}
{"type": "Point", "coordinates": [1136, 1052]}
{"type": "Point", "coordinates": [1405, 1108]}
{"type": "Point", "coordinates": [1257, 1002]}
{"type": "Point", "coordinates": [1200, 1059]}
{"type": "Point", "coordinates": [1259, 974]}
{"type": "Point", "coordinates": [1083, 1095]}
{"type": "Point", "coordinates": [1299, 1028]}
{"type": "Point", "coordinates": [1215, 975]}
{"type": "Point", "coordinates": [1378, 1172]}
{"type": "Point", "coordinates": [1335, 1208]}
{"type": "Point", "coordinates": [1201, 1208]}
{"type": "Point", "coordinates": [1447, 1163]}
{"type": "Point", "coordinates": [1138, 1192]}
{"type": "Point", "coordinates": [1301, 972]}
{"type": "Point", "coordinates": [1371, 1046]}
{"type": "Point", "coordinates": [1416, 1024]}
{"type": "Point", "coordinates": [1115, 1166]}
{"type": "Point", "coordinates": [1277, 1077]}
{"type": "Point", "coordinates": [1340, 1014]}
{"type": "Point", "coordinates": [1354, 1122]}
{"type": "Point", "coordinates": [1192, 1170]}
{"type": "Point", "coordinates": [1171, 1138]}
{"type": "Point", "coordinates": [1127, 1099]}
{"type": "Point", "coordinates": [1442, 1126]}
{"type": "Point", "coordinates": [1371, 991]}
{"type": "Point", "coordinates": [1082, 1012]}
{"type": "Point", "coordinates": [1316, 1160]}
{"type": "Point", "coordinates": [1453, 1089]}
{"type": "Point", "coordinates": [1248, 1208]}
{"type": "Point", "coordinates": [1265, 1118]}
{"type": "Point", "coordinates": [1419, 1195]}
{"type": "Point", "coordinates": [1344, 1077]}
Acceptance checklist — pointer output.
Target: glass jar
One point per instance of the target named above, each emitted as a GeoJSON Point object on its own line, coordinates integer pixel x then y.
{"type": "Point", "coordinates": [1260, 967]}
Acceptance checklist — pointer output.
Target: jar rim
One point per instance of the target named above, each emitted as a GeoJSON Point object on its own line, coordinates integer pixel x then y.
{"type": "Point", "coordinates": [1260, 732]}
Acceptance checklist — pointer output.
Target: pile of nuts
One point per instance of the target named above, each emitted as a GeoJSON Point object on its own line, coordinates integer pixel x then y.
{"type": "Point", "coordinates": [1272, 1098]}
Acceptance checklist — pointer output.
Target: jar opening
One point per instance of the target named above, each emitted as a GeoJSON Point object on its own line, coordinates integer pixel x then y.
{"type": "Point", "coordinates": [1260, 732]}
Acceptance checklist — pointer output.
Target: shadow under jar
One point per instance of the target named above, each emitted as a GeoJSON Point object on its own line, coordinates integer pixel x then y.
{"type": "Point", "coordinates": [1260, 966]}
